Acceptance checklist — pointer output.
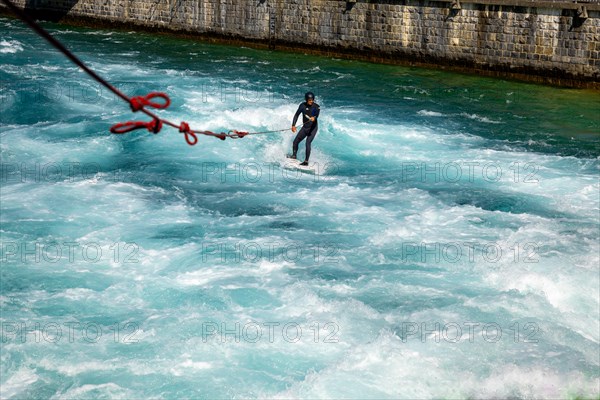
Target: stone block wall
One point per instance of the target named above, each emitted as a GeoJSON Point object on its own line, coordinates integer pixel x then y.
{"type": "Point", "coordinates": [543, 39]}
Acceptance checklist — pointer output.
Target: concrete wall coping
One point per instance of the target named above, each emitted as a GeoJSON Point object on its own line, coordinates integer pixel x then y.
{"type": "Point", "coordinates": [590, 5]}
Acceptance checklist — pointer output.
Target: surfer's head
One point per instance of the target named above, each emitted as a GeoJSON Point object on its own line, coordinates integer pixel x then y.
{"type": "Point", "coordinates": [309, 97]}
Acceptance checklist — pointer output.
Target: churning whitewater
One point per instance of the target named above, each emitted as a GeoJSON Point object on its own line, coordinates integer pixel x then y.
{"type": "Point", "coordinates": [446, 247]}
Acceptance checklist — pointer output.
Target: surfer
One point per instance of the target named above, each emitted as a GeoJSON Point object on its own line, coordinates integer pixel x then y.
{"type": "Point", "coordinates": [310, 113]}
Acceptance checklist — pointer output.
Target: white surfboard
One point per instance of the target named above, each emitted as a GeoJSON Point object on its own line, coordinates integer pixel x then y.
{"type": "Point", "coordinates": [290, 163]}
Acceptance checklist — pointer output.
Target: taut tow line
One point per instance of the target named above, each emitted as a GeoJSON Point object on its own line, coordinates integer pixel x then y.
{"type": "Point", "coordinates": [137, 103]}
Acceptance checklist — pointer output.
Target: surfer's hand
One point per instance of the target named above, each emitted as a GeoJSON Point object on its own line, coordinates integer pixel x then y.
{"type": "Point", "coordinates": [312, 119]}
{"type": "Point", "coordinates": [294, 129]}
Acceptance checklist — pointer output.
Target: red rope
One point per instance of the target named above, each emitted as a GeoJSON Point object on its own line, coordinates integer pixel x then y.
{"type": "Point", "coordinates": [153, 126]}
{"type": "Point", "coordinates": [138, 103]}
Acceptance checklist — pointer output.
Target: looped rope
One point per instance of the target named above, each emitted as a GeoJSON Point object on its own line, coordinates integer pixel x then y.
{"type": "Point", "coordinates": [153, 126]}
{"type": "Point", "coordinates": [190, 136]}
{"type": "Point", "coordinates": [139, 102]}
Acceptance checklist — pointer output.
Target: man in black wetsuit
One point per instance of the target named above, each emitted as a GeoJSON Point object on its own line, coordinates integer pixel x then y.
{"type": "Point", "coordinates": [310, 113]}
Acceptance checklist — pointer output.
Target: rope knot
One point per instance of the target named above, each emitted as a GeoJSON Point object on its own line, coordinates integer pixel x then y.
{"type": "Point", "coordinates": [184, 127]}
{"type": "Point", "coordinates": [190, 136]}
{"type": "Point", "coordinates": [154, 126]}
{"type": "Point", "coordinates": [136, 104]}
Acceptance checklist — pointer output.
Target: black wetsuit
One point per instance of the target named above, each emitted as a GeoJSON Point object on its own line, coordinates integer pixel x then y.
{"type": "Point", "coordinates": [309, 129]}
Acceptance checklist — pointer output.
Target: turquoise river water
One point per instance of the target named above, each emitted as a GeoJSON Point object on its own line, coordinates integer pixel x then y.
{"type": "Point", "coordinates": [447, 245]}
